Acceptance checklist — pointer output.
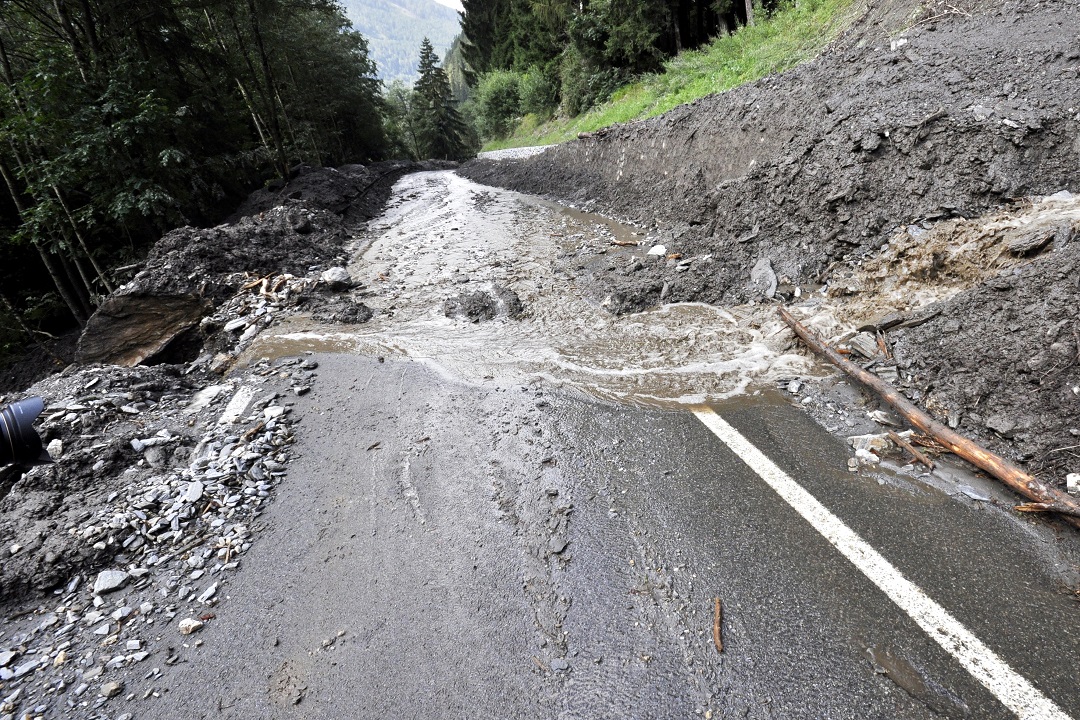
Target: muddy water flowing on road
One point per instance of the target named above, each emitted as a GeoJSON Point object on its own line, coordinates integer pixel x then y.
{"type": "Point", "coordinates": [442, 235]}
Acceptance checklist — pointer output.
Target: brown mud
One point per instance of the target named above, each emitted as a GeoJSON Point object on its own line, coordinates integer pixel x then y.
{"type": "Point", "coordinates": [925, 126]}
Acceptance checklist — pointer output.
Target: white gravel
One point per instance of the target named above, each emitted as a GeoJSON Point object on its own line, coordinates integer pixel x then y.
{"type": "Point", "coordinates": [513, 153]}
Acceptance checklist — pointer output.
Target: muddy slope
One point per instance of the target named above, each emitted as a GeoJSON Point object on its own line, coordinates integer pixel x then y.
{"type": "Point", "coordinates": [1002, 362]}
{"type": "Point", "coordinates": [804, 178]}
{"type": "Point", "coordinates": [950, 117]}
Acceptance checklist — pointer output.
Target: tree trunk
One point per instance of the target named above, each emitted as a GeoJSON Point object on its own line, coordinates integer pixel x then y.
{"type": "Point", "coordinates": [61, 288]}
{"type": "Point", "coordinates": [82, 241]}
{"type": "Point", "coordinates": [1045, 497]}
{"type": "Point", "coordinates": [271, 90]}
{"type": "Point", "coordinates": [239, 83]}
{"type": "Point", "coordinates": [79, 287]}
{"type": "Point", "coordinates": [26, 329]}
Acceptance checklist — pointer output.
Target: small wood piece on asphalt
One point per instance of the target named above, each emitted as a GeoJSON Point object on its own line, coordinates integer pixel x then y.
{"type": "Point", "coordinates": [717, 626]}
{"type": "Point", "coordinates": [1044, 498]}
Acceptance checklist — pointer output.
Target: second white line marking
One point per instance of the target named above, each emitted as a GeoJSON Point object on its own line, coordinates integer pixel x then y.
{"type": "Point", "coordinates": [1012, 689]}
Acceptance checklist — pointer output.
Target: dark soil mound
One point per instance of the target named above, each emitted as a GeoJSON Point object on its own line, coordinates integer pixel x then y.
{"type": "Point", "coordinates": [950, 117]}
{"type": "Point", "coordinates": [353, 192]}
{"type": "Point", "coordinates": [905, 120]}
{"type": "Point", "coordinates": [38, 362]}
{"type": "Point", "coordinates": [293, 228]}
{"type": "Point", "coordinates": [1002, 362]}
{"type": "Point", "coordinates": [480, 305]}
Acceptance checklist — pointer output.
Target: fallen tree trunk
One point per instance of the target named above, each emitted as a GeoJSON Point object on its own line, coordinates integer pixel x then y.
{"type": "Point", "coordinates": [1044, 497]}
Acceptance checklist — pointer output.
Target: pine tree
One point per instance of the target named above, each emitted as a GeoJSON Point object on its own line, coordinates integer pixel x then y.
{"type": "Point", "coordinates": [441, 131]}
{"type": "Point", "coordinates": [484, 23]}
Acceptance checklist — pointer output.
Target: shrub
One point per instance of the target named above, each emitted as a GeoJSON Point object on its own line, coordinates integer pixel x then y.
{"type": "Point", "coordinates": [539, 93]}
{"type": "Point", "coordinates": [498, 103]}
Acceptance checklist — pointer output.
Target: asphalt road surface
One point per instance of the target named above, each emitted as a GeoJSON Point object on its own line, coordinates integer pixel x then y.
{"type": "Point", "coordinates": [479, 550]}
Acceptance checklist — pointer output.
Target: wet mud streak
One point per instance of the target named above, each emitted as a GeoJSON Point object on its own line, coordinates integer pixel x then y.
{"type": "Point", "coordinates": [443, 236]}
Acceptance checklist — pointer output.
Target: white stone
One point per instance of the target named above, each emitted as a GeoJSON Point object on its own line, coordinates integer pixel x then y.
{"type": "Point", "coordinates": [189, 625]}
{"type": "Point", "coordinates": [204, 397]}
{"type": "Point", "coordinates": [208, 593]}
{"type": "Point", "coordinates": [28, 667]}
{"type": "Point", "coordinates": [877, 443]}
{"type": "Point", "coordinates": [867, 457]}
{"type": "Point", "coordinates": [236, 324]}
{"type": "Point", "coordinates": [658, 250]}
{"type": "Point", "coordinates": [112, 689]}
{"type": "Point", "coordinates": [193, 492]}
{"type": "Point", "coordinates": [55, 448]}
{"type": "Point", "coordinates": [109, 580]}
{"type": "Point", "coordinates": [1072, 483]}
{"type": "Point", "coordinates": [273, 412]}
{"type": "Point", "coordinates": [337, 278]}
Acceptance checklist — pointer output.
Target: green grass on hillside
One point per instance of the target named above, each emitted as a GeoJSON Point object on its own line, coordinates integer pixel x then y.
{"type": "Point", "coordinates": [789, 36]}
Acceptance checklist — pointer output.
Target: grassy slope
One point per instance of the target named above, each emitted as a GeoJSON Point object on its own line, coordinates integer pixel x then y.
{"type": "Point", "coordinates": [790, 36]}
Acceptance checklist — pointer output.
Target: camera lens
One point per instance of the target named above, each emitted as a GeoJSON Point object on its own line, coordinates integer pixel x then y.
{"type": "Point", "coordinates": [19, 442]}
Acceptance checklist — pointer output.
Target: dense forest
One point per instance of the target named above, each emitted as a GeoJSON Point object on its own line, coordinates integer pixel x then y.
{"type": "Point", "coordinates": [121, 119]}
{"type": "Point", "coordinates": [394, 31]}
{"type": "Point", "coordinates": [547, 56]}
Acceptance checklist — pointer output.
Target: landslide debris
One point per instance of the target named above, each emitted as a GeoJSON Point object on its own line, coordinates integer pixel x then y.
{"type": "Point", "coordinates": [482, 305]}
{"type": "Point", "coordinates": [892, 125]}
{"type": "Point", "coordinates": [895, 182]}
{"type": "Point", "coordinates": [290, 229]}
{"type": "Point", "coordinates": [151, 505]}
{"type": "Point", "coordinates": [162, 470]}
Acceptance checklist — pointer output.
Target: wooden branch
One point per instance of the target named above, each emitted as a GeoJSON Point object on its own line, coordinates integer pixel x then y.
{"type": "Point", "coordinates": [911, 449]}
{"type": "Point", "coordinates": [718, 620]}
{"type": "Point", "coordinates": [1046, 497]}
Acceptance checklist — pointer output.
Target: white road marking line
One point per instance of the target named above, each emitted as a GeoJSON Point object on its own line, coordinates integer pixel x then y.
{"type": "Point", "coordinates": [405, 480]}
{"type": "Point", "coordinates": [1008, 686]}
{"type": "Point", "coordinates": [237, 405]}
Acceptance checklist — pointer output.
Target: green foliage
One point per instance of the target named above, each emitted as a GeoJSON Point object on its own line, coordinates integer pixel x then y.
{"type": "Point", "coordinates": [587, 49]}
{"type": "Point", "coordinates": [539, 92]}
{"type": "Point", "coordinates": [787, 37]}
{"type": "Point", "coordinates": [458, 71]}
{"type": "Point", "coordinates": [400, 121]}
{"type": "Point", "coordinates": [497, 101]}
{"type": "Point", "coordinates": [120, 119]}
{"type": "Point", "coordinates": [441, 132]}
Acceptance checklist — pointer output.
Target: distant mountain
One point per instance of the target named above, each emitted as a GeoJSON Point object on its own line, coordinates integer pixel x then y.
{"type": "Point", "coordinates": [394, 30]}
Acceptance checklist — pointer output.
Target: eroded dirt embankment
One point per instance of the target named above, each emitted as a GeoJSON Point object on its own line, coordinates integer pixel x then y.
{"type": "Point", "coordinates": [915, 118]}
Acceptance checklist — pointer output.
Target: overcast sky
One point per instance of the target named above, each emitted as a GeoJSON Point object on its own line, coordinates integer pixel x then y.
{"type": "Point", "coordinates": [456, 4]}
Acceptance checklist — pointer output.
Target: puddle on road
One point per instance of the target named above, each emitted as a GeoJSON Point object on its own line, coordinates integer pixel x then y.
{"type": "Point", "coordinates": [442, 235]}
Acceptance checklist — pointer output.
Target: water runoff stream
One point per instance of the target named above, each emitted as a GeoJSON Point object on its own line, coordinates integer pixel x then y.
{"type": "Point", "coordinates": [442, 235]}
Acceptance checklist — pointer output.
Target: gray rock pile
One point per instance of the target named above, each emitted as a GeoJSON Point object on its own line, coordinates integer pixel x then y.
{"type": "Point", "coordinates": [152, 503]}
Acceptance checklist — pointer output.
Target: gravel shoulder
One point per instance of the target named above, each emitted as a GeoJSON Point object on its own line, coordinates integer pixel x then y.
{"type": "Point", "coordinates": [390, 575]}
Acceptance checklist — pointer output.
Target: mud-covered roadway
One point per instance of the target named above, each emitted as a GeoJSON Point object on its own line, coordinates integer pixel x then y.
{"type": "Point", "coordinates": [520, 517]}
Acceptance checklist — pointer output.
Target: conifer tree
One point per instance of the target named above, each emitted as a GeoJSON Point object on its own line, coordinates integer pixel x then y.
{"type": "Point", "coordinates": [441, 131]}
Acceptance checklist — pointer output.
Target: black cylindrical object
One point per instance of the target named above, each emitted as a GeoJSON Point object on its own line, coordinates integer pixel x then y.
{"type": "Point", "coordinates": [19, 441]}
